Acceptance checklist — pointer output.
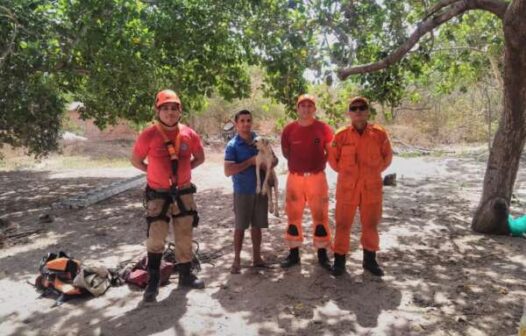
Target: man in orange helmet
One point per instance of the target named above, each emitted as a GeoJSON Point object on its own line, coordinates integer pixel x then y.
{"type": "Point", "coordinates": [359, 153]}
{"type": "Point", "coordinates": [172, 150]}
{"type": "Point", "coordinates": [305, 144]}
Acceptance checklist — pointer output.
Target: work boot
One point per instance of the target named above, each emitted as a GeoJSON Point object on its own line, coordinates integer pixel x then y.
{"type": "Point", "coordinates": [187, 278]}
{"type": "Point", "coordinates": [370, 264]}
{"type": "Point", "coordinates": [292, 259]}
{"type": "Point", "coordinates": [154, 277]}
{"type": "Point", "coordinates": [339, 264]}
{"type": "Point", "coordinates": [323, 259]}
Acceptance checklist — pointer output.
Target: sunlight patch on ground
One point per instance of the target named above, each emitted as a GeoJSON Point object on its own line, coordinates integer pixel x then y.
{"type": "Point", "coordinates": [96, 172]}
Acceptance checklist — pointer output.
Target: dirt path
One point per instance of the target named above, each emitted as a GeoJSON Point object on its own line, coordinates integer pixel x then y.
{"type": "Point", "coordinates": [441, 278]}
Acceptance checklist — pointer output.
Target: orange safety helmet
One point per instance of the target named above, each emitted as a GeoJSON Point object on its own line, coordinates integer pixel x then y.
{"type": "Point", "coordinates": [166, 96]}
{"type": "Point", "coordinates": [304, 97]}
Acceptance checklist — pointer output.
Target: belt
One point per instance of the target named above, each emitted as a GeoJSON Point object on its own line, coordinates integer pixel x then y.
{"type": "Point", "coordinates": [165, 190]}
{"type": "Point", "coordinates": [306, 173]}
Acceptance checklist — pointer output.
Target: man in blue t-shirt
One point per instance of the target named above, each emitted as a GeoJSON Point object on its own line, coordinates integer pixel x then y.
{"type": "Point", "coordinates": [250, 209]}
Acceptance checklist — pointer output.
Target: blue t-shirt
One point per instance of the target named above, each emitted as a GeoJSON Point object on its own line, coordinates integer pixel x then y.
{"type": "Point", "coordinates": [238, 150]}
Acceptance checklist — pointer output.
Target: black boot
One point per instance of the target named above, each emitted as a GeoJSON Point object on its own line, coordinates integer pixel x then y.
{"type": "Point", "coordinates": [187, 278]}
{"type": "Point", "coordinates": [154, 277]}
{"type": "Point", "coordinates": [292, 259]}
{"type": "Point", "coordinates": [370, 264]}
{"type": "Point", "coordinates": [323, 259]}
{"type": "Point", "coordinates": [339, 264]}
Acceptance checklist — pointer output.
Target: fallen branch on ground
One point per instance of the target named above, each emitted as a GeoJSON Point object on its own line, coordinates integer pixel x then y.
{"type": "Point", "coordinates": [24, 234]}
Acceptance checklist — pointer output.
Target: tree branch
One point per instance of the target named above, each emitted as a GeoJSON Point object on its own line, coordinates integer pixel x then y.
{"type": "Point", "coordinates": [456, 8]}
{"type": "Point", "coordinates": [492, 60]}
{"type": "Point", "coordinates": [497, 7]}
{"type": "Point", "coordinates": [495, 69]}
{"type": "Point", "coordinates": [438, 6]}
{"type": "Point", "coordinates": [341, 35]}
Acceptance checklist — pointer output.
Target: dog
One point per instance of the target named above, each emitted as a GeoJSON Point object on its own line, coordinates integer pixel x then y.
{"type": "Point", "coordinates": [265, 158]}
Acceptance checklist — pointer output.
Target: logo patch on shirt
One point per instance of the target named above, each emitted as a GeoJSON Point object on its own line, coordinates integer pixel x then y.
{"type": "Point", "coordinates": [317, 141]}
{"type": "Point", "coordinates": [184, 146]}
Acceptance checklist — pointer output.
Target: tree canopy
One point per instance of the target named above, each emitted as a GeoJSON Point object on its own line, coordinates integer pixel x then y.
{"type": "Point", "coordinates": [115, 55]}
{"type": "Point", "coordinates": [361, 33]}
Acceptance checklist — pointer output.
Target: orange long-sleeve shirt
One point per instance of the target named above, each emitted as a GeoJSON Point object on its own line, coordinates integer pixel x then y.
{"type": "Point", "coordinates": [359, 160]}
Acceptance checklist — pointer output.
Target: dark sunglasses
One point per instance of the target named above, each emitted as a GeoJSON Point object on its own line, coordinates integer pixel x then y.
{"type": "Point", "coordinates": [356, 108]}
{"type": "Point", "coordinates": [169, 108]}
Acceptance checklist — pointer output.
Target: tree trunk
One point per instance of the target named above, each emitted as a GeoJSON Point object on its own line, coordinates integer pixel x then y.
{"type": "Point", "coordinates": [503, 163]}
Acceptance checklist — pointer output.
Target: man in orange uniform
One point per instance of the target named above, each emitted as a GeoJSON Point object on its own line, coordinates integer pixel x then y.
{"type": "Point", "coordinates": [167, 152]}
{"type": "Point", "coordinates": [359, 153]}
{"type": "Point", "coordinates": [305, 144]}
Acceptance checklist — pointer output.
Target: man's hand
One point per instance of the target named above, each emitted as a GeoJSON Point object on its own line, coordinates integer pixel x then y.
{"type": "Point", "coordinates": [232, 168]}
{"type": "Point", "coordinates": [138, 162]}
{"type": "Point", "coordinates": [198, 158]}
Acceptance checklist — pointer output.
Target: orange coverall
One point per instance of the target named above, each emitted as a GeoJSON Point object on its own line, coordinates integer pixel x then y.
{"type": "Point", "coordinates": [359, 161]}
{"type": "Point", "coordinates": [313, 190]}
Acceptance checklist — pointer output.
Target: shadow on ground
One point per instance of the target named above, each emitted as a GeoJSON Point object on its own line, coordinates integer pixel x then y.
{"type": "Point", "coordinates": [441, 278]}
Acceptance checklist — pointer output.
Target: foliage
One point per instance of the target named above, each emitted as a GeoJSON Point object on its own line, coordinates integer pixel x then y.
{"type": "Point", "coordinates": [131, 49]}
{"type": "Point", "coordinates": [218, 111]}
{"type": "Point", "coordinates": [115, 55]}
{"type": "Point", "coordinates": [363, 32]}
{"type": "Point", "coordinates": [360, 32]}
{"type": "Point", "coordinates": [30, 100]}
{"type": "Point", "coordinates": [281, 36]}
{"type": "Point", "coordinates": [463, 53]}
{"type": "Point", "coordinates": [333, 101]}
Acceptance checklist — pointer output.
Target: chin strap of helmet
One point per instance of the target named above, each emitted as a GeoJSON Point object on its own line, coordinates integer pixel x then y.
{"type": "Point", "coordinates": [165, 124]}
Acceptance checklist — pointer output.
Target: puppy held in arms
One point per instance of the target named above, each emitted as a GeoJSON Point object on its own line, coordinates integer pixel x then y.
{"type": "Point", "coordinates": [267, 160]}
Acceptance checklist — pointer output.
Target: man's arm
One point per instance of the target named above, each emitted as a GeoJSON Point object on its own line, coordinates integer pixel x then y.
{"type": "Point", "coordinates": [198, 158]}
{"type": "Point", "coordinates": [329, 138]}
{"type": "Point", "coordinates": [387, 153]}
{"type": "Point", "coordinates": [285, 151]}
{"type": "Point", "coordinates": [232, 168]}
{"type": "Point", "coordinates": [332, 150]}
{"type": "Point", "coordinates": [285, 147]}
{"type": "Point", "coordinates": [334, 155]}
{"type": "Point", "coordinates": [328, 147]}
{"type": "Point", "coordinates": [138, 162]}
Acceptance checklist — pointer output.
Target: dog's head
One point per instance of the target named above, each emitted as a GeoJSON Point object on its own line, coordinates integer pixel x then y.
{"type": "Point", "coordinates": [261, 143]}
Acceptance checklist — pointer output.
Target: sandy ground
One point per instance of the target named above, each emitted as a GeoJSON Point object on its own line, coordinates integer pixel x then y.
{"type": "Point", "coordinates": [441, 278]}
